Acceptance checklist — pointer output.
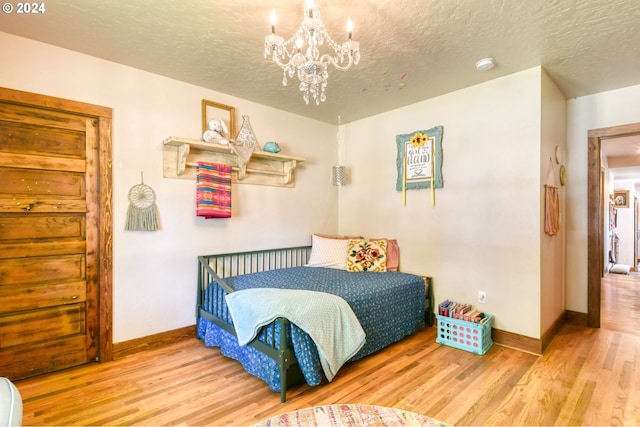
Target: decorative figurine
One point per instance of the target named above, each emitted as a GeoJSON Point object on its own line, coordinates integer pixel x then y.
{"type": "Point", "coordinates": [271, 147]}
{"type": "Point", "coordinates": [216, 132]}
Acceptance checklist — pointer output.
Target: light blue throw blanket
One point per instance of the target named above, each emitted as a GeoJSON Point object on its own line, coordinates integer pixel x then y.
{"type": "Point", "coordinates": [327, 318]}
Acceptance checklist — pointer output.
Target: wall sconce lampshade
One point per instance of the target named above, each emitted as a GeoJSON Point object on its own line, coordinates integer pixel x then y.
{"type": "Point", "coordinates": [339, 175]}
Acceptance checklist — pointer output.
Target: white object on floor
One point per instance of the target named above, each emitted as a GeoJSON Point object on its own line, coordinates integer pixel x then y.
{"type": "Point", "coordinates": [620, 269]}
{"type": "Point", "coordinates": [10, 404]}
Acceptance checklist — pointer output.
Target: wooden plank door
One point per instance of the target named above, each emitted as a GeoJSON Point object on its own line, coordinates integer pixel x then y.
{"type": "Point", "coordinates": [50, 237]}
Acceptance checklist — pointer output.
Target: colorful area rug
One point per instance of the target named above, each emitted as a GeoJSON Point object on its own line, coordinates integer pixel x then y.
{"type": "Point", "coordinates": [349, 415]}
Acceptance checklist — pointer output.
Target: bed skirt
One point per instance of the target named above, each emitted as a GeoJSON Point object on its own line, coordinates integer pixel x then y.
{"type": "Point", "coordinates": [259, 364]}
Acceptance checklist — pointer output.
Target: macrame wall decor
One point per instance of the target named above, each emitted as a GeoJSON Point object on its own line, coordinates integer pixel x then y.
{"type": "Point", "coordinates": [142, 212]}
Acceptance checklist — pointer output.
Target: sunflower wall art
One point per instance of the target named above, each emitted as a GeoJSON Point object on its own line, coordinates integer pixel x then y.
{"type": "Point", "coordinates": [419, 161]}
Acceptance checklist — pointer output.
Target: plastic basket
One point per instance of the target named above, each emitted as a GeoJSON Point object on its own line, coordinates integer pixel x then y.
{"type": "Point", "coordinates": [469, 336]}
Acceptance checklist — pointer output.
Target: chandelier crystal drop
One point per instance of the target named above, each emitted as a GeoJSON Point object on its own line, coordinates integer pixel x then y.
{"type": "Point", "coordinates": [300, 55]}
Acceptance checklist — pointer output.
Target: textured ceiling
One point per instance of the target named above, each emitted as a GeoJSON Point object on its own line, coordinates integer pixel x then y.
{"type": "Point", "coordinates": [411, 49]}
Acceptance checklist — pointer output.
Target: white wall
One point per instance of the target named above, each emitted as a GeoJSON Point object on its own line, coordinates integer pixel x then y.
{"type": "Point", "coordinates": [484, 231]}
{"type": "Point", "coordinates": [552, 248]}
{"type": "Point", "coordinates": [155, 272]}
{"type": "Point", "coordinates": [612, 108]}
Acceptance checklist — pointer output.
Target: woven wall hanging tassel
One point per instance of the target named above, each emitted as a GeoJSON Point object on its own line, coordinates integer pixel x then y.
{"type": "Point", "coordinates": [142, 212]}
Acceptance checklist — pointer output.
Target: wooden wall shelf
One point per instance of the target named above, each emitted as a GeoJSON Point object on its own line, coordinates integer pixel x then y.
{"type": "Point", "coordinates": [181, 157]}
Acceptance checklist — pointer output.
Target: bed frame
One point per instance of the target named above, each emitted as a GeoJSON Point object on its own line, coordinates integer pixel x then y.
{"type": "Point", "coordinates": [214, 268]}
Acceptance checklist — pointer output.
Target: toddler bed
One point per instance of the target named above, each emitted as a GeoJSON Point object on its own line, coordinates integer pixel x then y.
{"type": "Point", "coordinates": [388, 306]}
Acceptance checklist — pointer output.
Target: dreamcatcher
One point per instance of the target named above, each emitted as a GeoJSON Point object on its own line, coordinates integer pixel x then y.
{"type": "Point", "coordinates": [142, 212]}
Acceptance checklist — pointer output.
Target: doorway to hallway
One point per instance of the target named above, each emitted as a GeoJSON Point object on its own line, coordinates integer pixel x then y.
{"type": "Point", "coordinates": [597, 199]}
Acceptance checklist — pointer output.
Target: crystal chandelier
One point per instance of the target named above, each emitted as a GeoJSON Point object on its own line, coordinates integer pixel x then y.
{"type": "Point", "coordinates": [300, 55]}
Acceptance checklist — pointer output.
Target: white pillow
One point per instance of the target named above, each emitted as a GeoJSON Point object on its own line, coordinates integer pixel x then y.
{"type": "Point", "coordinates": [620, 269]}
{"type": "Point", "coordinates": [330, 253]}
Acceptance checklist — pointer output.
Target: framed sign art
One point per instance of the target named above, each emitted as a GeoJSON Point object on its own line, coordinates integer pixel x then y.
{"type": "Point", "coordinates": [419, 159]}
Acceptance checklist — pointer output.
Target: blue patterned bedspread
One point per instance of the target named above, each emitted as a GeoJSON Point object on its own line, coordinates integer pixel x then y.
{"type": "Point", "coordinates": [388, 305]}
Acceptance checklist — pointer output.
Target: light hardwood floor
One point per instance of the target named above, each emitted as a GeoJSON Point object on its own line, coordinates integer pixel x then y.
{"type": "Point", "coordinates": [586, 377]}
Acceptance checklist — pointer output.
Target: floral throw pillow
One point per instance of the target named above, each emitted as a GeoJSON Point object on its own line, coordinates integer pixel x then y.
{"type": "Point", "coordinates": [367, 255]}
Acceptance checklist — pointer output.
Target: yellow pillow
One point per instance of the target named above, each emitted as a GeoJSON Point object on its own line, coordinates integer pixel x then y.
{"type": "Point", "coordinates": [367, 255]}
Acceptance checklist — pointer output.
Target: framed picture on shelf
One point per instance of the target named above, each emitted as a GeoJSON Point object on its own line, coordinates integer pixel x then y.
{"type": "Point", "coordinates": [226, 113]}
{"type": "Point", "coordinates": [621, 198]}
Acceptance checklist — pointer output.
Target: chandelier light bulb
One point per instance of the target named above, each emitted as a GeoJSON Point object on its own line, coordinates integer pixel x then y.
{"type": "Point", "coordinates": [308, 63]}
{"type": "Point", "coordinates": [274, 20]}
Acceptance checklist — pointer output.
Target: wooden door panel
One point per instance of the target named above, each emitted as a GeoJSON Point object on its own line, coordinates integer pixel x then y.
{"type": "Point", "coordinates": [40, 226]}
{"type": "Point", "coordinates": [20, 113]}
{"type": "Point", "coordinates": [46, 356]}
{"type": "Point", "coordinates": [27, 138]}
{"type": "Point", "coordinates": [42, 269]}
{"type": "Point", "coordinates": [20, 297]}
{"type": "Point", "coordinates": [33, 183]}
{"type": "Point", "coordinates": [34, 326]}
{"type": "Point", "coordinates": [28, 204]}
{"type": "Point", "coordinates": [29, 161]}
{"type": "Point", "coordinates": [23, 249]}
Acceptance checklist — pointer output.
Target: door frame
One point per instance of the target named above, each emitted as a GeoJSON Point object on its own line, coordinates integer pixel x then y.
{"type": "Point", "coordinates": [635, 233]}
{"type": "Point", "coordinates": [595, 215]}
{"type": "Point", "coordinates": [102, 117]}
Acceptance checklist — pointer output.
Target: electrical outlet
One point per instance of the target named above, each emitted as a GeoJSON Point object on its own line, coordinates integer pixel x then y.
{"type": "Point", "coordinates": [482, 297]}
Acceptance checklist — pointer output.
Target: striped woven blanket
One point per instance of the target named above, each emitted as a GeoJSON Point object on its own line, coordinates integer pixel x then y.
{"type": "Point", "coordinates": [213, 190]}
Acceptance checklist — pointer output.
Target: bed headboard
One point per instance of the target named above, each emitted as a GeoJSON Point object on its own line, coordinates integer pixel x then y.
{"type": "Point", "coordinates": [218, 266]}
{"type": "Point", "coordinates": [237, 263]}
